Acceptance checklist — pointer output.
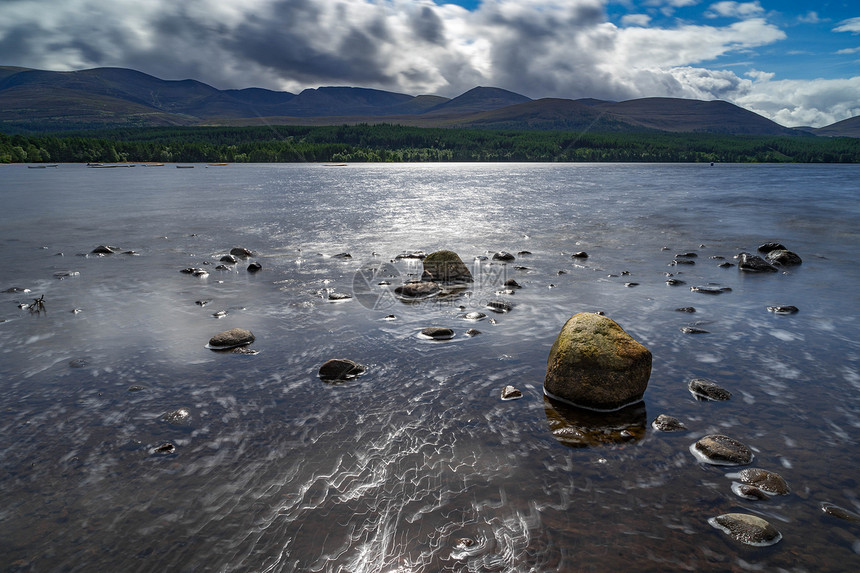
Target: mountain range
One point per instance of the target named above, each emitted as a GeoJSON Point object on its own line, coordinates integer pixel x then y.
{"type": "Point", "coordinates": [39, 101]}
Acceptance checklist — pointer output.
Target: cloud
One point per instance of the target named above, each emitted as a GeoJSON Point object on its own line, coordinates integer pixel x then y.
{"type": "Point", "coordinates": [735, 9]}
{"type": "Point", "coordinates": [794, 102]}
{"type": "Point", "coordinates": [541, 48]}
{"type": "Point", "coordinates": [851, 25]}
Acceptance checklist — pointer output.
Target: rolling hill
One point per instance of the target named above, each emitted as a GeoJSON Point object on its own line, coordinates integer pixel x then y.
{"type": "Point", "coordinates": [43, 101]}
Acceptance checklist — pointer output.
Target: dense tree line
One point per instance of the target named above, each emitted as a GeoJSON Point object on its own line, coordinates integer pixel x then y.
{"type": "Point", "coordinates": [391, 143]}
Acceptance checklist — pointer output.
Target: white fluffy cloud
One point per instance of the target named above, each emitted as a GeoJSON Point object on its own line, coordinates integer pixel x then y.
{"type": "Point", "coordinates": [541, 48]}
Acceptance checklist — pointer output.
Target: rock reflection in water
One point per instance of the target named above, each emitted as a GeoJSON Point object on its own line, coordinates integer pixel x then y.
{"type": "Point", "coordinates": [582, 428]}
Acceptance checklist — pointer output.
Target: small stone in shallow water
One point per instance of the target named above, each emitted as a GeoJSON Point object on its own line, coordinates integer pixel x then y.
{"type": "Point", "coordinates": [437, 333]}
{"type": "Point", "coordinates": [754, 264]}
{"type": "Point", "coordinates": [255, 267]}
{"type": "Point", "coordinates": [231, 339]}
{"type": "Point", "coordinates": [202, 302]}
{"type": "Point", "coordinates": [511, 283]}
{"type": "Point", "coordinates": [503, 256]}
{"type": "Point", "coordinates": [165, 448]}
{"type": "Point", "coordinates": [511, 393]}
{"type": "Point", "coordinates": [750, 492]}
{"type": "Point", "coordinates": [783, 309]}
{"type": "Point", "coordinates": [474, 315]}
{"type": "Point", "coordinates": [768, 481]}
{"type": "Point", "coordinates": [708, 289]}
{"type": "Point", "coordinates": [631, 284]}
{"type": "Point", "coordinates": [704, 389]}
{"type": "Point", "coordinates": [685, 309]}
{"type": "Point", "coordinates": [241, 252]}
{"type": "Point", "coordinates": [579, 255]}
{"type": "Point", "coordinates": [180, 417]}
{"type": "Point", "coordinates": [675, 282]}
{"type": "Point", "coordinates": [219, 313]}
{"type": "Point", "coordinates": [840, 512]}
{"type": "Point", "coordinates": [748, 529]}
{"type": "Point", "coordinates": [720, 450]}
{"type": "Point", "coordinates": [768, 247]}
{"type": "Point", "coordinates": [339, 297]}
{"type": "Point", "coordinates": [79, 363]}
{"type": "Point", "coordinates": [665, 423]}
{"type": "Point", "coordinates": [135, 388]}
{"type": "Point", "coordinates": [473, 332]}
{"type": "Point", "coordinates": [418, 290]}
{"type": "Point", "coordinates": [340, 369]}
{"type": "Point", "coordinates": [784, 258]}
{"type": "Point", "coordinates": [694, 330]}
{"type": "Point", "coordinates": [230, 259]}
{"type": "Point", "coordinates": [389, 317]}
{"type": "Point", "coordinates": [499, 306]}
{"type": "Point", "coordinates": [105, 250]}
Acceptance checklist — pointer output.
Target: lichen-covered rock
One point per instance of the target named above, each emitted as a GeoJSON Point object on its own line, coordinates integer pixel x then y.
{"type": "Point", "coordinates": [231, 339]}
{"type": "Point", "coordinates": [595, 364]}
{"type": "Point", "coordinates": [720, 450]}
{"type": "Point", "coordinates": [340, 369]}
{"type": "Point", "coordinates": [447, 266]}
{"type": "Point", "coordinates": [748, 529]}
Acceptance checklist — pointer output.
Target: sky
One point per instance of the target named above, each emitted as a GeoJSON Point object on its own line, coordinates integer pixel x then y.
{"type": "Point", "coordinates": [797, 63]}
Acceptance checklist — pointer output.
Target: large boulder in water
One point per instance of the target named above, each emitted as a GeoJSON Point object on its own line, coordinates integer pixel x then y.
{"type": "Point", "coordinates": [231, 339]}
{"type": "Point", "coordinates": [595, 364]}
{"type": "Point", "coordinates": [447, 266]}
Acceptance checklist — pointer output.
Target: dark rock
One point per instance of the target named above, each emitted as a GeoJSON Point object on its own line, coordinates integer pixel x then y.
{"type": "Point", "coordinates": [749, 492]}
{"type": "Point", "coordinates": [768, 481]}
{"type": "Point", "coordinates": [595, 364]}
{"type": "Point", "coordinates": [340, 369]}
{"type": "Point", "coordinates": [255, 267]}
{"type": "Point", "coordinates": [579, 255]}
{"type": "Point", "coordinates": [447, 266]}
{"type": "Point", "coordinates": [726, 265]}
{"type": "Point", "coordinates": [748, 529]}
{"type": "Point", "coordinates": [677, 262]}
{"type": "Point", "coordinates": [784, 258]}
{"type": "Point", "coordinates": [524, 253]}
{"type": "Point", "coordinates": [231, 339]}
{"type": "Point", "coordinates": [241, 252]}
{"type": "Point", "coordinates": [219, 313]}
{"type": "Point", "coordinates": [708, 289]}
{"type": "Point", "coordinates": [418, 290]}
{"type": "Point", "coordinates": [223, 268]}
{"type": "Point", "coordinates": [135, 388]}
{"type": "Point", "coordinates": [720, 450]}
{"type": "Point", "coordinates": [202, 302]}
{"type": "Point", "coordinates": [231, 259]}
{"type": "Point", "coordinates": [511, 393]}
{"type": "Point", "coordinates": [784, 309]}
{"type": "Point", "coordinates": [438, 333]}
{"type": "Point", "coordinates": [165, 448]}
{"type": "Point", "coordinates": [339, 297]}
{"type": "Point", "coordinates": [840, 512]}
{"type": "Point", "coordinates": [694, 330]}
{"type": "Point", "coordinates": [685, 309]}
{"type": "Point", "coordinates": [511, 283]}
{"type": "Point", "coordinates": [473, 332]}
{"type": "Point", "coordinates": [690, 255]}
{"type": "Point", "coordinates": [666, 423]}
{"type": "Point", "coordinates": [503, 256]}
{"type": "Point", "coordinates": [704, 389]}
{"type": "Point", "coordinates": [474, 315]}
{"type": "Point", "coordinates": [411, 255]}
{"type": "Point", "coordinates": [200, 273]}
{"type": "Point", "coordinates": [180, 417]}
{"type": "Point", "coordinates": [768, 247]}
{"type": "Point", "coordinates": [675, 282]}
{"type": "Point", "coordinates": [105, 250]}
{"type": "Point", "coordinates": [754, 264]}
{"type": "Point", "coordinates": [499, 306]}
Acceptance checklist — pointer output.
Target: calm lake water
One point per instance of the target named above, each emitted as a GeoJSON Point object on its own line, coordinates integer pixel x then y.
{"type": "Point", "coordinates": [417, 466]}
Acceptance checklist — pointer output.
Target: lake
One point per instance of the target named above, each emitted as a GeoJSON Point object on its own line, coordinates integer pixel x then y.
{"type": "Point", "coordinates": [418, 465]}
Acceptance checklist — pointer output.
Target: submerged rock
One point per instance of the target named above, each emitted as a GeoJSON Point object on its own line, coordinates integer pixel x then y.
{"type": "Point", "coordinates": [105, 250]}
{"type": "Point", "coordinates": [338, 297]}
{"type": "Point", "coordinates": [418, 290]}
{"type": "Point", "coordinates": [579, 255]}
{"type": "Point", "coordinates": [231, 339]}
{"type": "Point", "coordinates": [665, 423]}
{"type": "Point", "coordinates": [230, 259]}
{"type": "Point", "coordinates": [472, 332]}
{"type": "Point", "coordinates": [255, 267]}
{"type": "Point", "coordinates": [754, 264]}
{"type": "Point", "coordinates": [595, 364]}
{"type": "Point", "coordinates": [694, 330]}
{"type": "Point", "coordinates": [840, 512]}
{"type": "Point", "coordinates": [164, 449]}
{"type": "Point", "coordinates": [704, 389]}
{"type": "Point", "coordinates": [748, 529]}
{"type": "Point", "coordinates": [180, 417]}
{"type": "Point", "coordinates": [241, 252]}
{"type": "Point", "coordinates": [499, 306]}
{"type": "Point", "coordinates": [437, 333]}
{"type": "Point", "coordinates": [340, 369]}
{"type": "Point", "coordinates": [720, 450]}
{"type": "Point", "coordinates": [503, 256]}
{"type": "Point", "coordinates": [582, 428]}
{"type": "Point", "coordinates": [447, 266]}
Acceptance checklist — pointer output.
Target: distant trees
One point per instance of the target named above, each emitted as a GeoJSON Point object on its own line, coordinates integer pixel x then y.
{"type": "Point", "coordinates": [393, 143]}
